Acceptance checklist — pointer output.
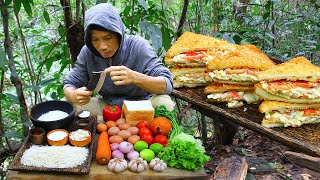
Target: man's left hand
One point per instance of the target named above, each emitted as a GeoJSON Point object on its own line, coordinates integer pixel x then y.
{"type": "Point", "coordinates": [121, 75]}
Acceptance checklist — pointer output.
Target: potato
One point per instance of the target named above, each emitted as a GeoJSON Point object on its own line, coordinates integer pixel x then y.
{"type": "Point", "coordinates": [133, 130]}
{"type": "Point", "coordinates": [133, 139]}
{"type": "Point", "coordinates": [124, 134]}
{"type": "Point", "coordinates": [113, 131]}
{"type": "Point", "coordinates": [115, 139]}
{"type": "Point", "coordinates": [124, 126]}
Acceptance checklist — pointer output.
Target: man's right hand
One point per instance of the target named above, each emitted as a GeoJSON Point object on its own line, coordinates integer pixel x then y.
{"type": "Point", "coordinates": [79, 96]}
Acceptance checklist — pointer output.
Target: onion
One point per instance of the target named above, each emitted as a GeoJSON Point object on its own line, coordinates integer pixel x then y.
{"type": "Point", "coordinates": [117, 154]}
{"type": "Point", "coordinates": [132, 154]}
{"type": "Point", "coordinates": [125, 147]}
{"type": "Point", "coordinates": [114, 146]}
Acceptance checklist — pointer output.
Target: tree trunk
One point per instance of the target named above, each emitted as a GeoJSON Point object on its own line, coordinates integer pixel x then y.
{"type": "Point", "coordinates": [14, 76]}
{"type": "Point", "coordinates": [75, 31]}
{"type": "Point", "coordinates": [183, 18]}
{"type": "Point", "coordinates": [28, 62]}
{"type": "Point", "coordinates": [214, 15]}
{"type": "Point", "coordinates": [240, 10]}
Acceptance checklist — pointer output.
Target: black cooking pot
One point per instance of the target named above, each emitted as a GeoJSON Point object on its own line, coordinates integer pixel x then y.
{"type": "Point", "coordinates": [52, 105]}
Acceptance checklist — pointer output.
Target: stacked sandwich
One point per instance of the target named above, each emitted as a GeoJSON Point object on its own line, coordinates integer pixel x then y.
{"type": "Point", "coordinates": [292, 94]}
{"type": "Point", "coordinates": [234, 75]}
{"type": "Point", "coordinates": [188, 56]}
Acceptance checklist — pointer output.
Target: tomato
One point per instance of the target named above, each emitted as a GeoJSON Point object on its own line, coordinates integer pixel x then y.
{"type": "Point", "coordinates": [192, 53]}
{"type": "Point", "coordinates": [311, 112]}
{"type": "Point", "coordinates": [304, 84]}
{"type": "Point", "coordinates": [147, 138]}
{"type": "Point", "coordinates": [161, 139]}
{"type": "Point", "coordinates": [111, 113]}
{"type": "Point", "coordinates": [253, 72]}
{"type": "Point", "coordinates": [144, 131]}
{"type": "Point", "coordinates": [191, 56]}
{"type": "Point", "coordinates": [279, 85]}
{"type": "Point", "coordinates": [142, 124]}
{"type": "Point", "coordinates": [235, 71]}
{"type": "Point", "coordinates": [234, 95]}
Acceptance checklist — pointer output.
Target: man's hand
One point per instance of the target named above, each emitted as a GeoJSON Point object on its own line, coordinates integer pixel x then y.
{"type": "Point", "coordinates": [79, 96]}
{"type": "Point", "coordinates": [121, 75]}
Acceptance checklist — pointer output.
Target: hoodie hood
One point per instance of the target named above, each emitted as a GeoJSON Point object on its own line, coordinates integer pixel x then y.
{"type": "Point", "coordinates": [105, 16]}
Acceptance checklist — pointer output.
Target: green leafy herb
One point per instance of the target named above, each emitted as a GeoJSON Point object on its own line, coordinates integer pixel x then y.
{"type": "Point", "coordinates": [162, 111]}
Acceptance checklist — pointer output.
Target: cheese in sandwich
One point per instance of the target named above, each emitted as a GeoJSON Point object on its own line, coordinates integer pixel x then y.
{"type": "Point", "coordinates": [190, 77]}
{"type": "Point", "coordinates": [282, 114]}
{"type": "Point", "coordinates": [294, 81]}
{"type": "Point", "coordinates": [195, 50]}
{"type": "Point", "coordinates": [240, 67]}
{"type": "Point", "coordinates": [234, 95]}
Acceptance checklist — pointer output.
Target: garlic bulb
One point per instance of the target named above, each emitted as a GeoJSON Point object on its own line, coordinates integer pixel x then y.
{"type": "Point", "coordinates": [137, 164]}
{"type": "Point", "coordinates": [157, 165]}
{"type": "Point", "coordinates": [117, 165]}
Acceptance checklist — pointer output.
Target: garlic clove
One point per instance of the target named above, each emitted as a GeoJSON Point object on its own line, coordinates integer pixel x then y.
{"type": "Point", "coordinates": [140, 168]}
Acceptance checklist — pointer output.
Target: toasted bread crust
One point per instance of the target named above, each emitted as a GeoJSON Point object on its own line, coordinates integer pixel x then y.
{"type": "Point", "coordinates": [180, 71]}
{"type": "Point", "coordinates": [271, 123]}
{"type": "Point", "coordinates": [267, 106]}
{"type": "Point", "coordinates": [171, 62]}
{"type": "Point", "coordinates": [298, 68]}
{"type": "Point", "coordinates": [189, 41]}
{"type": "Point", "coordinates": [223, 87]}
{"type": "Point", "coordinates": [246, 56]}
{"type": "Point", "coordinates": [178, 84]}
{"type": "Point", "coordinates": [267, 96]}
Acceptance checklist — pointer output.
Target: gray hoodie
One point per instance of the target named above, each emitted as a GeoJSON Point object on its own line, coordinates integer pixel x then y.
{"type": "Point", "coordinates": [134, 52]}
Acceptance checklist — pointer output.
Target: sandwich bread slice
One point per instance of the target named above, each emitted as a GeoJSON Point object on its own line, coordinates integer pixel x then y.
{"type": "Point", "coordinates": [233, 94]}
{"type": "Point", "coordinates": [135, 111]}
{"type": "Point", "coordinates": [294, 81]}
{"type": "Point", "coordinates": [190, 77]}
{"type": "Point", "coordinates": [240, 67]}
{"type": "Point", "coordinates": [195, 50]}
{"type": "Point", "coordinates": [282, 114]}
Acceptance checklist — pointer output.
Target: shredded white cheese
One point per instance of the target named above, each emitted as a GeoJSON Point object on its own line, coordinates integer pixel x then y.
{"type": "Point", "coordinates": [79, 135]}
{"type": "Point", "coordinates": [54, 156]}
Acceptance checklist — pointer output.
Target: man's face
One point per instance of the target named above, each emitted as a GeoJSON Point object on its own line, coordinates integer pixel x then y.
{"type": "Point", "coordinates": [105, 42]}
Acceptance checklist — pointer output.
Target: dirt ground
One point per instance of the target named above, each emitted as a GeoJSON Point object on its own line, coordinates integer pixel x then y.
{"type": "Point", "coordinates": [253, 146]}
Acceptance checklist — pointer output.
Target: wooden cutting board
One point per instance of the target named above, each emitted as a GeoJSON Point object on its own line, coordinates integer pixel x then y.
{"type": "Point", "coordinates": [101, 172]}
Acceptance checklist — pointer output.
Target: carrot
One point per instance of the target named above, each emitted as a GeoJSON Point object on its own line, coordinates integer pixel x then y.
{"type": "Point", "coordinates": [103, 154]}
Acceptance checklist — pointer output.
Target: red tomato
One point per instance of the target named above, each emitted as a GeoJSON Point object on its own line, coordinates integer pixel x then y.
{"type": "Point", "coordinates": [253, 72]}
{"type": "Point", "coordinates": [145, 131]}
{"type": "Point", "coordinates": [311, 112]}
{"type": "Point", "coordinates": [161, 139]}
{"type": "Point", "coordinates": [111, 113]}
{"type": "Point", "coordinates": [279, 85]}
{"type": "Point", "coordinates": [142, 124]}
{"type": "Point", "coordinates": [236, 71]}
{"type": "Point", "coordinates": [192, 53]}
{"type": "Point", "coordinates": [304, 84]}
{"type": "Point", "coordinates": [147, 138]}
{"type": "Point", "coordinates": [235, 95]}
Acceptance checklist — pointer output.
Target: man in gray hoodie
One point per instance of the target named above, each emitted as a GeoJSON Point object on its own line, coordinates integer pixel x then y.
{"type": "Point", "coordinates": [134, 72]}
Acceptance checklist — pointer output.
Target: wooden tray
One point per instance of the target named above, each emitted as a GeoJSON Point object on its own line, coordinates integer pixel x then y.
{"type": "Point", "coordinates": [82, 169]}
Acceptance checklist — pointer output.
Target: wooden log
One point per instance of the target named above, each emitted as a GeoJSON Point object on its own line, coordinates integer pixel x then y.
{"type": "Point", "coordinates": [303, 160]}
{"type": "Point", "coordinates": [231, 168]}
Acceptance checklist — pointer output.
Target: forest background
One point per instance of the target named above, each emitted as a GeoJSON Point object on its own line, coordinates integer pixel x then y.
{"type": "Point", "coordinates": [41, 40]}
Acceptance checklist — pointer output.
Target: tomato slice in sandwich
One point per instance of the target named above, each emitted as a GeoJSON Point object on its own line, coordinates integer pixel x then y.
{"type": "Point", "coordinates": [311, 112]}
{"type": "Point", "coordinates": [279, 85]}
{"type": "Point", "coordinates": [193, 55]}
{"type": "Point", "coordinates": [235, 95]}
{"type": "Point", "coordinates": [304, 84]}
